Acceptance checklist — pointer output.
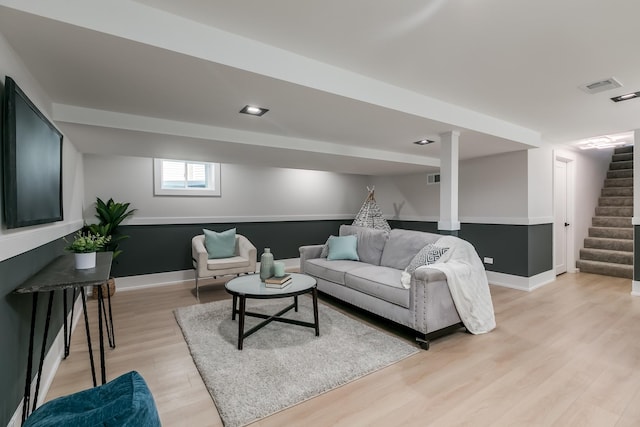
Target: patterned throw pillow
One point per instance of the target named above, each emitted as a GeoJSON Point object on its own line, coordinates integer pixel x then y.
{"type": "Point", "coordinates": [427, 256]}
{"type": "Point", "coordinates": [325, 248]}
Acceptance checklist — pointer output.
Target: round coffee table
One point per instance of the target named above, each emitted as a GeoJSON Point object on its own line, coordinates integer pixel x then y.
{"type": "Point", "coordinates": [250, 286]}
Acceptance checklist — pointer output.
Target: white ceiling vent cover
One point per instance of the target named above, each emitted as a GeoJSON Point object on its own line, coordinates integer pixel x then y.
{"type": "Point", "coordinates": [601, 85]}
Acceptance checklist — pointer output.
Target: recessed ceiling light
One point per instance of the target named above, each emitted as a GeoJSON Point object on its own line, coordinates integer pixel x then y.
{"type": "Point", "coordinates": [424, 142]}
{"type": "Point", "coordinates": [252, 110]}
{"type": "Point", "coordinates": [626, 96]}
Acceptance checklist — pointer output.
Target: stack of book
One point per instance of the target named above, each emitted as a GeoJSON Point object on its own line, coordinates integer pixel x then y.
{"type": "Point", "coordinates": [278, 282]}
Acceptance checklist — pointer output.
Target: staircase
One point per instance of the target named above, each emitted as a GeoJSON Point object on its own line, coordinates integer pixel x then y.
{"type": "Point", "coordinates": [609, 248]}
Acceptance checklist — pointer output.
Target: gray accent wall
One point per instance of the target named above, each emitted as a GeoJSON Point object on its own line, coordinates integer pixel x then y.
{"type": "Point", "coordinates": [15, 321]}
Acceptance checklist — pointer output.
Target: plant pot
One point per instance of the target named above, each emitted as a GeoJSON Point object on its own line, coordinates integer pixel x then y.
{"type": "Point", "coordinates": [85, 260]}
{"type": "Point", "coordinates": [108, 286]}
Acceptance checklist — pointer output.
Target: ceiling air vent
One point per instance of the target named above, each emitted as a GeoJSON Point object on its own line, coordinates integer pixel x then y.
{"type": "Point", "coordinates": [601, 85]}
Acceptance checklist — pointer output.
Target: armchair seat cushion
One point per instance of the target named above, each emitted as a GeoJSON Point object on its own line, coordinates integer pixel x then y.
{"type": "Point", "coordinates": [225, 263]}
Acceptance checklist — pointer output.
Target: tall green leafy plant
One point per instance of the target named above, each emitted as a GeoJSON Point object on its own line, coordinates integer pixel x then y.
{"type": "Point", "coordinates": [110, 215]}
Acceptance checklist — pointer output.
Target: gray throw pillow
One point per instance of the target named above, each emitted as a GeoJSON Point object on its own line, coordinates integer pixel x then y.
{"type": "Point", "coordinates": [427, 256]}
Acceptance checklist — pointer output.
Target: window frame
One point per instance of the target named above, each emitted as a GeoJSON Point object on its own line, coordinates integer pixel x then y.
{"type": "Point", "coordinates": [214, 176]}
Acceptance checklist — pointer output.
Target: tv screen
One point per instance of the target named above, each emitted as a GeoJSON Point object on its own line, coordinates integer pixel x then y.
{"type": "Point", "coordinates": [31, 160]}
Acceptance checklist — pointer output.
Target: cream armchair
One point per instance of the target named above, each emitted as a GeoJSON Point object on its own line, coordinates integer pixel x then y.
{"type": "Point", "coordinates": [244, 260]}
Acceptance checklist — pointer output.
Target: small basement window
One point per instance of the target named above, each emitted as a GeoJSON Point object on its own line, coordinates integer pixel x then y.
{"type": "Point", "coordinates": [186, 178]}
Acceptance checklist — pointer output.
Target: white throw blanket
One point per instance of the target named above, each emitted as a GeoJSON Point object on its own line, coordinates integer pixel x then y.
{"type": "Point", "coordinates": [467, 282]}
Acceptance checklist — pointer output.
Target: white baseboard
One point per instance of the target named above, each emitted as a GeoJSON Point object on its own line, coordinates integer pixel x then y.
{"type": "Point", "coordinates": [635, 288]}
{"type": "Point", "coordinates": [50, 366]}
{"type": "Point", "coordinates": [527, 284]}
{"type": "Point", "coordinates": [169, 278]}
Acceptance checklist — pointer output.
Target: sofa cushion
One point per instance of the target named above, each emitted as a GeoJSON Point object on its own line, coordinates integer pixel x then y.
{"type": "Point", "coordinates": [403, 245]}
{"type": "Point", "coordinates": [371, 242]}
{"type": "Point", "coordinates": [343, 248]}
{"type": "Point", "coordinates": [332, 271]}
{"type": "Point", "coordinates": [379, 282]}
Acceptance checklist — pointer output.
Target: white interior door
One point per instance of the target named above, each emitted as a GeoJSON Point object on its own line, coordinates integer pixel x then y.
{"type": "Point", "coordinates": [560, 213]}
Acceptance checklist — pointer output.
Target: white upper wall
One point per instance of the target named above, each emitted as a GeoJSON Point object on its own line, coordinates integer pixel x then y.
{"type": "Point", "coordinates": [19, 240]}
{"type": "Point", "coordinates": [249, 193]}
{"type": "Point", "coordinates": [540, 185]}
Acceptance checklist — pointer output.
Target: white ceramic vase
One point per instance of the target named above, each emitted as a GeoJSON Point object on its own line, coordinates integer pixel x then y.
{"type": "Point", "coordinates": [84, 261]}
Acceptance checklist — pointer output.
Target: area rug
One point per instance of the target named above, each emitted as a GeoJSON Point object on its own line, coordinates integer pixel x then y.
{"type": "Point", "coordinates": [282, 364]}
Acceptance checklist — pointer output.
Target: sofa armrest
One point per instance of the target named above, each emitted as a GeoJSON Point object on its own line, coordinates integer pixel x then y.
{"type": "Point", "coordinates": [309, 252]}
{"type": "Point", "coordinates": [430, 301]}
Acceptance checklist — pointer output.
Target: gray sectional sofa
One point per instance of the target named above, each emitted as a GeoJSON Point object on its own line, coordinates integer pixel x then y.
{"type": "Point", "coordinates": [373, 283]}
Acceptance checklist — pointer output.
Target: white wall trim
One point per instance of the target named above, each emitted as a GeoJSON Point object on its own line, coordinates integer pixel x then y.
{"type": "Point", "coordinates": [50, 366]}
{"type": "Point", "coordinates": [508, 220]}
{"type": "Point", "coordinates": [233, 219]}
{"type": "Point", "coordinates": [635, 288]}
{"type": "Point", "coordinates": [18, 241]}
{"type": "Point", "coordinates": [520, 283]}
{"type": "Point", "coordinates": [635, 220]}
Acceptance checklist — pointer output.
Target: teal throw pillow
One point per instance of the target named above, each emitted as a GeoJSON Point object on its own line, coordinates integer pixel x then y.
{"type": "Point", "coordinates": [220, 245]}
{"type": "Point", "coordinates": [343, 247]}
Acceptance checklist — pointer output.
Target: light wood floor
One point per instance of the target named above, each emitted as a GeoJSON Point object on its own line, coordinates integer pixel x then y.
{"type": "Point", "coordinates": [567, 354]}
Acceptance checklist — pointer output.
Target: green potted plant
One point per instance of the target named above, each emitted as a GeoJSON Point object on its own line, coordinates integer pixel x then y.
{"type": "Point", "coordinates": [110, 216]}
{"type": "Point", "coordinates": [85, 247]}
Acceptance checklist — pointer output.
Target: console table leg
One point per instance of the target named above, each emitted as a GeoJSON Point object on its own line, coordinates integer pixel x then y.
{"type": "Point", "coordinates": [43, 350]}
{"type": "Point", "coordinates": [101, 334]}
{"type": "Point", "coordinates": [112, 341]}
{"type": "Point", "coordinates": [27, 385]}
{"type": "Point", "coordinates": [86, 326]}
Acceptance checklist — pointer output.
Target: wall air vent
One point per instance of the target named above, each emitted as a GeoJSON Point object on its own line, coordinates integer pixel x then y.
{"type": "Point", "coordinates": [601, 85]}
{"type": "Point", "coordinates": [433, 178]}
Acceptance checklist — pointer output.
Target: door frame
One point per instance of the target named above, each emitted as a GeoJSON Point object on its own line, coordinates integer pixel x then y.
{"type": "Point", "coordinates": [570, 160]}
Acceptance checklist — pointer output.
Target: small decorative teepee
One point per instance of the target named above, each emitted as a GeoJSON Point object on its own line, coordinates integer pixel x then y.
{"type": "Point", "coordinates": [370, 214]}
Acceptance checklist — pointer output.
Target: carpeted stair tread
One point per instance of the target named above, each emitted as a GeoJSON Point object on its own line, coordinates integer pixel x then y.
{"type": "Point", "coordinates": [615, 201]}
{"type": "Point", "coordinates": [605, 268]}
{"type": "Point", "coordinates": [604, 255]}
{"type": "Point", "coordinates": [625, 149]}
{"type": "Point", "coordinates": [611, 232]}
{"type": "Point", "coordinates": [618, 182]}
{"type": "Point", "coordinates": [612, 221]}
{"type": "Point", "coordinates": [614, 211]}
{"type": "Point", "coordinates": [627, 164]}
{"type": "Point", "coordinates": [622, 157]}
{"type": "Point", "coordinates": [610, 244]}
{"type": "Point", "coordinates": [617, 191]}
{"type": "Point", "coordinates": [620, 173]}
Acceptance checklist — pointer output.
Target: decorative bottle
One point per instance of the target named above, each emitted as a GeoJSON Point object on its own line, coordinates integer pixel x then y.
{"type": "Point", "coordinates": [266, 264]}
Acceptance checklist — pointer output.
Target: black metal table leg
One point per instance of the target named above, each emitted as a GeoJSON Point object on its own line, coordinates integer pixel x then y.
{"type": "Point", "coordinates": [235, 305]}
{"type": "Point", "coordinates": [64, 320]}
{"type": "Point", "coordinates": [43, 350]}
{"type": "Point", "coordinates": [101, 334]}
{"type": "Point", "coordinates": [67, 338]}
{"type": "Point", "coordinates": [314, 293]}
{"type": "Point", "coordinates": [243, 302]}
{"type": "Point", "coordinates": [112, 339]}
{"type": "Point", "coordinates": [27, 386]}
{"type": "Point", "coordinates": [86, 326]}
{"type": "Point", "coordinates": [295, 303]}
{"type": "Point", "coordinates": [108, 321]}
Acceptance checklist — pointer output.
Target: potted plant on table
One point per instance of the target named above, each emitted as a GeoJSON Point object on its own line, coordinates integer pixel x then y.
{"type": "Point", "coordinates": [85, 247]}
{"type": "Point", "coordinates": [110, 216]}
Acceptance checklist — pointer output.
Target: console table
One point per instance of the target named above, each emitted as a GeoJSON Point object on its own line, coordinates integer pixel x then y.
{"type": "Point", "coordinates": [60, 274]}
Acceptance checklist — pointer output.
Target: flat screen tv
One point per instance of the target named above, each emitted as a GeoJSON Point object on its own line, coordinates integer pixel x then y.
{"type": "Point", "coordinates": [31, 162]}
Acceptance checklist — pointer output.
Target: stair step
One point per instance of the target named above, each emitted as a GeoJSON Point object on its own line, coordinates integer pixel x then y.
{"type": "Point", "coordinates": [625, 149]}
{"type": "Point", "coordinates": [627, 164]}
{"type": "Point", "coordinates": [612, 221]}
{"type": "Point", "coordinates": [622, 157]}
{"type": "Point", "coordinates": [620, 173]}
{"type": "Point", "coordinates": [615, 201]}
{"type": "Point", "coordinates": [614, 211]}
{"type": "Point", "coordinates": [617, 191]}
{"type": "Point", "coordinates": [605, 268]}
{"type": "Point", "coordinates": [604, 255]}
{"type": "Point", "coordinates": [618, 182]}
{"type": "Point", "coordinates": [611, 232]}
{"type": "Point", "coordinates": [609, 244]}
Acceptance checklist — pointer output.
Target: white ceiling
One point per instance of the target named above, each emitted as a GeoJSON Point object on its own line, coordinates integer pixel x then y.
{"type": "Point", "coordinates": [349, 83]}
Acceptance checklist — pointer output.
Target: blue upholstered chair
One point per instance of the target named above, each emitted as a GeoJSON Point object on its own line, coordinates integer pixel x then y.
{"type": "Point", "coordinates": [123, 402]}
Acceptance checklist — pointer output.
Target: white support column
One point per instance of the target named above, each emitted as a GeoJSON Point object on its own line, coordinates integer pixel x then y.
{"type": "Point", "coordinates": [449, 183]}
{"type": "Point", "coordinates": [635, 284]}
